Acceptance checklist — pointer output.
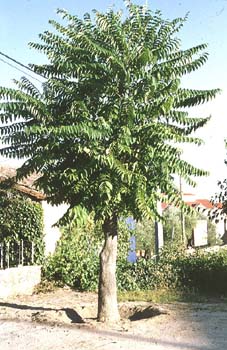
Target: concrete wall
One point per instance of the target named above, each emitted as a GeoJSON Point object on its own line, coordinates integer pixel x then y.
{"type": "Point", "coordinates": [19, 280]}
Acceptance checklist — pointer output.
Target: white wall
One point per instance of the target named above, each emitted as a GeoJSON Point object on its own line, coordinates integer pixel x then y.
{"type": "Point", "coordinates": [200, 233]}
{"type": "Point", "coordinates": [52, 234]}
{"type": "Point", "coordinates": [19, 280]}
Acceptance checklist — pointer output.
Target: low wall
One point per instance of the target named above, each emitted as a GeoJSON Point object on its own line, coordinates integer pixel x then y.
{"type": "Point", "coordinates": [19, 280]}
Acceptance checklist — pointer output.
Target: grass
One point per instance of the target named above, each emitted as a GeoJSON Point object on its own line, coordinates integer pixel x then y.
{"type": "Point", "coordinates": [165, 296]}
{"type": "Point", "coordinates": [159, 296]}
{"type": "Point", "coordinates": [45, 287]}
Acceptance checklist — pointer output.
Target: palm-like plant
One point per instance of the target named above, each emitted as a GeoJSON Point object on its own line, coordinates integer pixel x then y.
{"type": "Point", "coordinates": [105, 131]}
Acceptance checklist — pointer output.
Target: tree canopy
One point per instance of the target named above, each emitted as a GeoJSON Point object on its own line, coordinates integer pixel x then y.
{"type": "Point", "coordinates": [103, 132]}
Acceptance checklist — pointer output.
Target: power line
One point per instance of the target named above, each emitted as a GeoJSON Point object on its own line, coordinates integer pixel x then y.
{"type": "Point", "coordinates": [20, 70]}
{"type": "Point", "coordinates": [20, 64]}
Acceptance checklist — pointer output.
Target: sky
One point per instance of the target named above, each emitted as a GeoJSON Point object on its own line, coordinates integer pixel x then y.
{"type": "Point", "coordinates": [22, 21]}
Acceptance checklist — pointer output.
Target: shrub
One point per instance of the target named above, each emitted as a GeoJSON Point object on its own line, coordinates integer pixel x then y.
{"type": "Point", "coordinates": [76, 263]}
{"type": "Point", "coordinates": [148, 274]}
{"type": "Point", "coordinates": [21, 219]}
{"type": "Point", "coordinates": [76, 259]}
{"type": "Point", "coordinates": [205, 272]}
{"type": "Point", "coordinates": [201, 271]}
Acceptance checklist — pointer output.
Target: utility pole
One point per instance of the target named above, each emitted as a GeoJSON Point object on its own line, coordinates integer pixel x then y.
{"type": "Point", "coordinates": [182, 217]}
{"type": "Point", "coordinates": [159, 241]}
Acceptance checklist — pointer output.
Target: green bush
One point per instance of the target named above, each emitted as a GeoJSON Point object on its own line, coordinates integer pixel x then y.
{"type": "Point", "coordinates": [76, 259]}
{"type": "Point", "coordinates": [201, 271]}
{"type": "Point", "coordinates": [148, 274]}
{"type": "Point", "coordinates": [76, 263]}
{"type": "Point", "coordinates": [205, 272]}
{"type": "Point", "coordinates": [21, 219]}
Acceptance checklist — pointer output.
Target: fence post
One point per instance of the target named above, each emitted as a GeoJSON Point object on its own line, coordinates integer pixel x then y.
{"type": "Point", "coordinates": [19, 255]}
{"type": "Point", "coordinates": [22, 252]}
{"type": "Point", "coordinates": [8, 245]}
{"type": "Point", "coordinates": [33, 252]}
{"type": "Point", "coordinates": [2, 252]}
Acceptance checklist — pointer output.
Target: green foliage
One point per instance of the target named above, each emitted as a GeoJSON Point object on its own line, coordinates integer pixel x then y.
{"type": "Point", "coordinates": [205, 272]}
{"type": "Point", "coordinates": [76, 259]}
{"type": "Point", "coordinates": [212, 238]}
{"type": "Point", "coordinates": [145, 236]}
{"type": "Point", "coordinates": [104, 132]}
{"type": "Point", "coordinates": [148, 274]}
{"type": "Point", "coordinates": [76, 263]}
{"type": "Point", "coordinates": [172, 229]}
{"type": "Point", "coordinates": [172, 225]}
{"type": "Point", "coordinates": [220, 198]}
{"type": "Point", "coordinates": [190, 222]}
{"type": "Point", "coordinates": [201, 271]}
{"type": "Point", "coordinates": [21, 219]}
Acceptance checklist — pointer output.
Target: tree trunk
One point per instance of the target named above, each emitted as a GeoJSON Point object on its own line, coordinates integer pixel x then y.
{"type": "Point", "coordinates": [107, 296]}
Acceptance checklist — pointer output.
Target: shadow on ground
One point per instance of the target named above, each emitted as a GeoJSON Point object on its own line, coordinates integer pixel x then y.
{"type": "Point", "coordinates": [136, 313]}
{"type": "Point", "coordinates": [70, 313]}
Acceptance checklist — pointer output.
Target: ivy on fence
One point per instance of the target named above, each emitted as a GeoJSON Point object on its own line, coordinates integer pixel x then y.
{"type": "Point", "coordinates": [21, 220]}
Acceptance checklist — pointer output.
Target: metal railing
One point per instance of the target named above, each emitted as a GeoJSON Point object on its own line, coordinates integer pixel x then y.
{"type": "Point", "coordinates": [13, 254]}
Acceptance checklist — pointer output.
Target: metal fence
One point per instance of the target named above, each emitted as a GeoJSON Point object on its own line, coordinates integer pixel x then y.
{"type": "Point", "coordinates": [13, 254]}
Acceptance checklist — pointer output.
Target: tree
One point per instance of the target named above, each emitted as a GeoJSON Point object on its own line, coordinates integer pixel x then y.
{"type": "Point", "coordinates": [145, 236]}
{"type": "Point", "coordinates": [172, 228]}
{"type": "Point", "coordinates": [105, 131]}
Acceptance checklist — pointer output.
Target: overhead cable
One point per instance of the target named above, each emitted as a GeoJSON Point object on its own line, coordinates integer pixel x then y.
{"type": "Point", "coordinates": [20, 64]}
{"type": "Point", "coordinates": [29, 75]}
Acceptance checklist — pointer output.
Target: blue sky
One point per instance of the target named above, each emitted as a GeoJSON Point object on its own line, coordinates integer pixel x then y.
{"type": "Point", "coordinates": [21, 21]}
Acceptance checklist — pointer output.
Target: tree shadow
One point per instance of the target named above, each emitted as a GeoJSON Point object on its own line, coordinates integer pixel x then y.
{"type": "Point", "coordinates": [136, 313]}
{"type": "Point", "coordinates": [71, 313]}
{"type": "Point", "coordinates": [146, 313]}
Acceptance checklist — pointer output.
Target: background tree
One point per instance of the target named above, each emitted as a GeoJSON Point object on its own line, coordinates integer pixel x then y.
{"type": "Point", "coordinates": [172, 226]}
{"type": "Point", "coordinates": [220, 198]}
{"type": "Point", "coordinates": [145, 236]}
{"type": "Point", "coordinates": [172, 229]}
{"type": "Point", "coordinates": [103, 131]}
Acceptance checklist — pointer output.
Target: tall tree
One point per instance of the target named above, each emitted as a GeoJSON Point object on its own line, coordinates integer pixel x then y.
{"type": "Point", "coordinates": [105, 131]}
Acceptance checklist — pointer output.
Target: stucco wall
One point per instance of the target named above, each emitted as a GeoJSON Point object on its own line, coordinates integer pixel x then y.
{"type": "Point", "coordinates": [19, 280]}
{"type": "Point", "coordinates": [52, 213]}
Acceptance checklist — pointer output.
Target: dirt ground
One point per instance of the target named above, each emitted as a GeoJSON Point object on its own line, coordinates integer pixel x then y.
{"type": "Point", "coordinates": [66, 319]}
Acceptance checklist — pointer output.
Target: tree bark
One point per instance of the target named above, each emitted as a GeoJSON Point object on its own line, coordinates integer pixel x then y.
{"type": "Point", "coordinates": [107, 294]}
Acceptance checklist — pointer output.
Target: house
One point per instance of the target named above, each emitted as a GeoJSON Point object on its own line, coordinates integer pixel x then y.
{"type": "Point", "coordinates": [51, 214]}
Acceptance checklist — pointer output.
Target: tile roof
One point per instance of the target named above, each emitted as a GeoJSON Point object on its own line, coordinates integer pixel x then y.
{"type": "Point", "coordinates": [26, 186]}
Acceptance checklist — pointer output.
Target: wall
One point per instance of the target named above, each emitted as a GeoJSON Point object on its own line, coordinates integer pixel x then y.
{"type": "Point", "coordinates": [51, 214]}
{"type": "Point", "coordinates": [19, 280]}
